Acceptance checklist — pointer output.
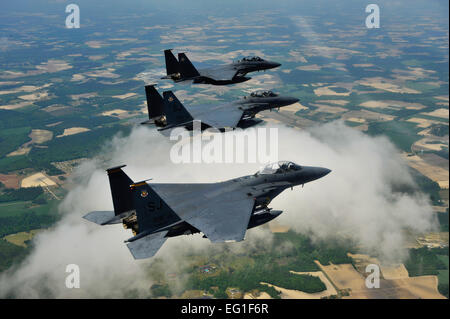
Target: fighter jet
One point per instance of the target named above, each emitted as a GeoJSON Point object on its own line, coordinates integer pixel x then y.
{"type": "Point", "coordinates": [221, 211]}
{"type": "Point", "coordinates": [183, 70]}
{"type": "Point", "coordinates": [168, 112]}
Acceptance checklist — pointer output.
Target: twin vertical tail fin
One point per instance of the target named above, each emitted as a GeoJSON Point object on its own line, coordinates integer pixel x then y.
{"type": "Point", "coordinates": [154, 218]}
{"type": "Point", "coordinates": [187, 69]}
{"type": "Point", "coordinates": [119, 183]}
{"type": "Point", "coordinates": [155, 102]}
{"type": "Point", "coordinates": [152, 212]}
{"type": "Point", "coordinates": [180, 69]}
{"type": "Point", "coordinates": [176, 113]}
{"type": "Point", "coordinates": [172, 66]}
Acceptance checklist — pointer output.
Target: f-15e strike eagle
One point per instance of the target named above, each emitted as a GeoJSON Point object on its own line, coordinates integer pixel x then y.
{"type": "Point", "coordinates": [221, 211]}
{"type": "Point", "coordinates": [183, 70]}
{"type": "Point", "coordinates": [168, 112]}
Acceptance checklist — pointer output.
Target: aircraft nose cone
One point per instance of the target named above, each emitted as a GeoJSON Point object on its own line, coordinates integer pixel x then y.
{"type": "Point", "coordinates": [288, 101]}
{"type": "Point", "coordinates": [322, 172]}
{"type": "Point", "coordinates": [293, 100]}
{"type": "Point", "coordinates": [272, 65]}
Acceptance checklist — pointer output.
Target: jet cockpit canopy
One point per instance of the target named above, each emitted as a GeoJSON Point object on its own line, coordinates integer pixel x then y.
{"type": "Point", "coordinates": [263, 94]}
{"type": "Point", "coordinates": [278, 168]}
{"type": "Point", "coordinates": [251, 59]}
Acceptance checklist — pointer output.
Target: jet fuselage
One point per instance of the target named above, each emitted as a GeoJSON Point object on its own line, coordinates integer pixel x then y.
{"type": "Point", "coordinates": [263, 186]}
{"type": "Point", "coordinates": [244, 67]}
{"type": "Point", "coordinates": [252, 105]}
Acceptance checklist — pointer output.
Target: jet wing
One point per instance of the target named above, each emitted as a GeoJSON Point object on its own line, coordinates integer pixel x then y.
{"type": "Point", "coordinates": [220, 211]}
{"type": "Point", "coordinates": [222, 73]}
{"type": "Point", "coordinates": [147, 246]}
{"type": "Point", "coordinates": [271, 185]}
{"type": "Point", "coordinates": [224, 115]}
{"type": "Point", "coordinates": [225, 220]}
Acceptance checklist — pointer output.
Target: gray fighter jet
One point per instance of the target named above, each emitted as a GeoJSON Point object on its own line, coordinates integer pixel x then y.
{"type": "Point", "coordinates": [221, 211]}
{"type": "Point", "coordinates": [169, 112]}
{"type": "Point", "coordinates": [183, 70]}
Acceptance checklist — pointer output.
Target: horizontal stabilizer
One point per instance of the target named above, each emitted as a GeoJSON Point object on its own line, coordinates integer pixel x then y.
{"type": "Point", "coordinates": [147, 246]}
{"type": "Point", "coordinates": [101, 217]}
{"type": "Point", "coordinates": [148, 122]}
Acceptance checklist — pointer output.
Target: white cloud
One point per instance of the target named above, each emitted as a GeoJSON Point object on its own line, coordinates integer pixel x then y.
{"type": "Point", "coordinates": [356, 200]}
